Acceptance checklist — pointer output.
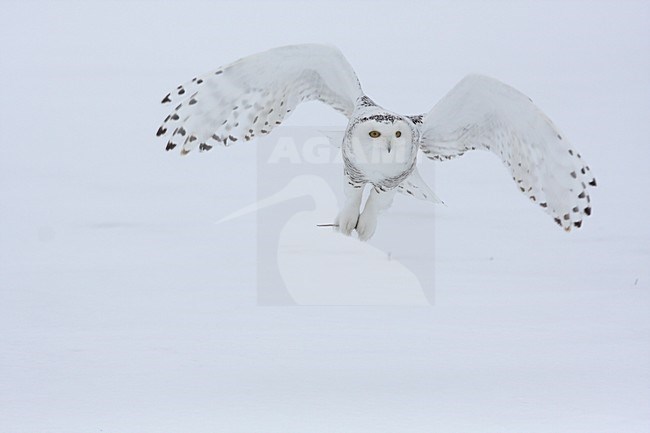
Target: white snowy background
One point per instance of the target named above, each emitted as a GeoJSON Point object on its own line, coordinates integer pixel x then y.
{"type": "Point", "coordinates": [125, 309]}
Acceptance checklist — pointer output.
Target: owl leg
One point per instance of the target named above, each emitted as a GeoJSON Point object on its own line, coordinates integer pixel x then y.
{"type": "Point", "coordinates": [378, 201]}
{"type": "Point", "coordinates": [347, 219]}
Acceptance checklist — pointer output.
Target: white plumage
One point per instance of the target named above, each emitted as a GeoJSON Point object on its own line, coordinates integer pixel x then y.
{"type": "Point", "coordinates": [483, 113]}
{"type": "Point", "coordinates": [251, 96]}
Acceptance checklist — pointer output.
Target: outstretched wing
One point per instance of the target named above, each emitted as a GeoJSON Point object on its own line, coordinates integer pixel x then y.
{"type": "Point", "coordinates": [483, 113]}
{"type": "Point", "coordinates": [253, 95]}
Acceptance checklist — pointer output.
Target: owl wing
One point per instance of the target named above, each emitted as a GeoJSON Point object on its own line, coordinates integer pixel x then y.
{"type": "Point", "coordinates": [483, 113]}
{"type": "Point", "coordinates": [253, 95]}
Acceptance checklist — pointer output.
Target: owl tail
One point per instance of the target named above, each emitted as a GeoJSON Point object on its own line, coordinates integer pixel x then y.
{"type": "Point", "coordinates": [415, 186]}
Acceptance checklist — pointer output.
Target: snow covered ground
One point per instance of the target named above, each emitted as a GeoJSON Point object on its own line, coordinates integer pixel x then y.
{"type": "Point", "coordinates": [124, 308]}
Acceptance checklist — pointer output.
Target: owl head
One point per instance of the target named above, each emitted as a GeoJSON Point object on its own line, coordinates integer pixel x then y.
{"type": "Point", "coordinates": [383, 138]}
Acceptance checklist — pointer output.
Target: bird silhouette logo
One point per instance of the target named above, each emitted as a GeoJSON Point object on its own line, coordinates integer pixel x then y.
{"type": "Point", "coordinates": [300, 259]}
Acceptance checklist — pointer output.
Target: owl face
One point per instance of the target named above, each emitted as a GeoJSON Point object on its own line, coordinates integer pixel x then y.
{"type": "Point", "coordinates": [382, 140]}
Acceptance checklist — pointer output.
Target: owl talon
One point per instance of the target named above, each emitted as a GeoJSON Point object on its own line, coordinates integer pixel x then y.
{"type": "Point", "coordinates": [367, 225]}
{"type": "Point", "coordinates": [346, 221]}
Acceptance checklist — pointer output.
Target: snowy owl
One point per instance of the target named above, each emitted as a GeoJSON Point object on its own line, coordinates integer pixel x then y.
{"type": "Point", "coordinates": [253, 95]}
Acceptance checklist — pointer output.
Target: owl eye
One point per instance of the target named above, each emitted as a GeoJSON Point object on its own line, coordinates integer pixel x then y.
{"type": "Point", "coordinates": [398, 134]}
{"type": "Point", "coordinates": [374, 134]}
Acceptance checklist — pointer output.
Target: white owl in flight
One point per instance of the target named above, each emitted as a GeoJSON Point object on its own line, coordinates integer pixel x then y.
{"type": "Point", "coordinates": [253, 95]}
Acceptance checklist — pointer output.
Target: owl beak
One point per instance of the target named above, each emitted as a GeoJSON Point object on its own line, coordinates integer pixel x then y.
{"type": "Point", "coordinates": [389, 146]}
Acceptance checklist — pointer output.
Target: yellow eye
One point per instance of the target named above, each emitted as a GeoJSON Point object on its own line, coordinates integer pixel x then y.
{"type": "Point", "coordinates": [398, 134]}
{"type": "Point", "coordinates": [374, 134]}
